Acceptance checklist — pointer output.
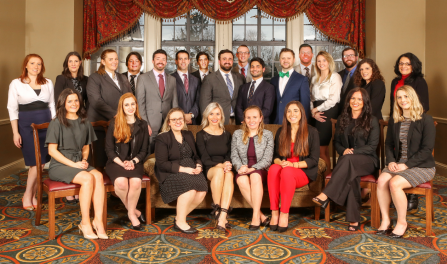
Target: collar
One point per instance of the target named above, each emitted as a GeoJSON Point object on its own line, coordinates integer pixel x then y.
{"type": "Point", "coordinates": [245, 67]}
{"type": "Point", "coordinates": [353, 70]}
{"type": "Point", "coordinates": [290, 72]}
{"type": "Point", "coordinates": [258, 81]}
{"type": "Point", "coordinates": [129, 74]}
{"type": "Point", "coordinates": [156, 73]}
{"type": "Point", "coordinates": [202, 73]}
{"type": "Point", "coordinates": [113, 77]}
{"type": "Point", "coordinates": [181, 73]}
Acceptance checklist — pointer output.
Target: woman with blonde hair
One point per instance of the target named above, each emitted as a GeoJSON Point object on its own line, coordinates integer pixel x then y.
{"type": "Point", "coordinates": [408, 147]}
{"type": "Point", "coordinates": [251, 154]}
{"type": "Point", "coordinates": [126, 147]}
{"type": "Point", "coordinates": [178, 168]}
{"type": "Point", "coordinates": [214, 146]}
{"type": "Point", "coordinates": [325, 97]}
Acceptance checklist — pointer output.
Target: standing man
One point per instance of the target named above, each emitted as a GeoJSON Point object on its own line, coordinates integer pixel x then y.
{"type": "Point", "coordinates": [289, 86]}
{"type": "Point", "coordinates": [350, 57]}
{"type": "Point", "coordinates": [243, 54]}
{"type": "Point", "coordinates": [222, 86]}
{"type": "Point", "coordinates": [306, 67]}
{"type": "Point", "coordinates": [187, 87]}
{"type": "Point", "coordinates": [133, 63]}
{"type": "Point", "coordinates": [156, 95]}
{"type": "Point", "coordinates": [203, 60]}
{"type": "Point", "coordinates": [258, 92]}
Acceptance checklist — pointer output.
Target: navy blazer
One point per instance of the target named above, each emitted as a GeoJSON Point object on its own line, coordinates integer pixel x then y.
{"type": "Point", "coordinates": [297, 89]}
{"type": "Point", "coordinates": [264, 97]}
{"type": "Point", "coordinates": [189, 102]}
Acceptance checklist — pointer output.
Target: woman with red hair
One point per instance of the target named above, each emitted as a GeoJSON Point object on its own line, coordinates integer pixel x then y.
{"type": "Point", "coordinates": [126, 147]}
{"type": "Point", "coordinates": [30, 100]}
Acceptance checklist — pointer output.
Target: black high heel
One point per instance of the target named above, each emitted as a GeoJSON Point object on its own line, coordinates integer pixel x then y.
{"type": "Point", "coordinates": [215, 212]}
{"type": "Point", "coordinates": [392, 235]}
{"type": "Point", "coordinates": [282, 229]}
{"type": "Point", "coordinates": [356, 228]}
{"type": "Point", "coordinates": [141, 218]}
{"type": "Point", "coordinates": [137, 227]}
{"type": "Point", "coordinates": [384, 232]}
{"type": "Point", "coordinates": [321, 203]}
{"type": "Point", "coordinates": [221, 228]}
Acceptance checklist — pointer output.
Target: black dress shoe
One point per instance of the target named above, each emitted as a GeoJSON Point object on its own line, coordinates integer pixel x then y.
{"type": "Point", "coordinates": [384, 232]}
{"type": "Point", "coordinates": [282, 229]}
{"type": "Point", "coordinates": [273, 227]}
{"type": "Point", "coordinates": [137, 227]}
{"type": "Point", "coordinates": [70, 201]}
{"type": "Point", "coordinates": [142, 219]}
{"type": "Point", "coordinates": [191, 229]}
{"type": "Point", "coordinates": [392, 235]}
{"type": "Point", "coordinates": [413, 202]}
{"type": "Point", "coordinates": [254, 227]}
{"type": "Point", "coordinates": [321, 203]}
{"type": "Point", "coordinates": [266, 222]}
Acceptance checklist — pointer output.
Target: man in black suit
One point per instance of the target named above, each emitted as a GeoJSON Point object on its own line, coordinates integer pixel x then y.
{"type": "Point", "coordinates": [258, 92]}
{"type": "Point", "coordinates": [203, 60]}
{"type": "Point", "coordinates": [187, 88]}
{"type": "Point", "coordinates": [350, 57]}
{"type": "Point", "coordinates": [222, 87]}
{"type": "Point", "coordinates": [133, 63]}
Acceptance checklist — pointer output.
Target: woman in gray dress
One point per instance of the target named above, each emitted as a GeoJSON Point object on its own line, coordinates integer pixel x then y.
{"type": "Point", "coordinates": [409, 145]}
{"type": "Point", "coordinates": [68, 139]}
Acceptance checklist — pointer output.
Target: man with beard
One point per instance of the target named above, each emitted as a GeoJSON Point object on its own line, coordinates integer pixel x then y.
{"type": "Point", "coordinates": [350, 57]}
{"type": "Point", "coordinates": [133, 63]}
{"type": "Point", "coordinates": [289, 86]}
{"type": "Point", "coordinates": [156, 95]}
{"type": "Point", "coordinates": [306, 67]}
{"type": "Point", "coordinates": [203, 60]}
{"type": "Point", "coordinates": [222, 86]}
{"type": "Point", "coordinates": [258, 92]}
{"type": "Point", "coordinates": [187, 88]}
{"type": "Point", "coordinates": [242, 67]}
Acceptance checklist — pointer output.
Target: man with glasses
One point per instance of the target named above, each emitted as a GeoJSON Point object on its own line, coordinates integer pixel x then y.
{"type": "Point", "coordinates": [203, 60]}
{"type": "Point", "coordinates": [350, 57]}
{"type": "Point", "coordinates": [306, 67]}
{"type": "Point", "coordinates": [242, 67]}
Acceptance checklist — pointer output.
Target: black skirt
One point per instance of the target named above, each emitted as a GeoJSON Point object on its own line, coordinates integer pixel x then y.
{"type": "Point", "coordinates": [325, 128]}
{"type": "Point", "coordinates": [115, 171]}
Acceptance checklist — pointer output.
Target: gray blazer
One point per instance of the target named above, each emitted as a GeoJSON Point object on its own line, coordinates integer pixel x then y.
{"type": "Point", "coordinates": [103, 95]}
{"type": "Point", "coordinates": [264, 150]}
{"type": "Point", "coordinates": [214, 89]}
{"type": "Point", "coordinates": [189, 102]}
{"type": "Point", "coordinates": [153, 108]}
{"type": "Point", "coordinates": [236, 69]}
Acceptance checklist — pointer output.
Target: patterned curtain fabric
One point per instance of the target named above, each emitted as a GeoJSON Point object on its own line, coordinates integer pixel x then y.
{"type": "Point", "coordinates": [106, 20]}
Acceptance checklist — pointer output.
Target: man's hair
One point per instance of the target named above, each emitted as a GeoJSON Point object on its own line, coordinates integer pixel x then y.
{"type": "Point", "coordinates": [225, 51]}
{"type": "Point", "coordinates": [261, 61]}
{"type": "Point", "coordinates": [286, 50]}
{"type": "Point", "coordinates": [349, 48]}
{"type": "Point", "coordinates": [202, 53]}
{"type": "Point", "coordinates": [136, 54]}
{"type": "Point", "coordinates": [159, 51]}
{"type": "Point", "coordinates": [306, 46]}
{"type": "Point", "coordinates": [243, 45]}
{"type": "Point", "coordinates": [181, 51]}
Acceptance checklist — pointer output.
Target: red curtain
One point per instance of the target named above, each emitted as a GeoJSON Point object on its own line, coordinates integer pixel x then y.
{"type": "Point", "coordinates": [106, 20]}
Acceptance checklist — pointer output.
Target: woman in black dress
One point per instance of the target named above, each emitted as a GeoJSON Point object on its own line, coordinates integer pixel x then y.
{"type": "Point", "coordinates": [214, 146]}
{"type": "Point", "coordinates": [68, 138]}
{"type": "Point", "coordinates": [126, 147]}
{"type": "Point", "coordinates": [178, 168]}
{"type": "Point", "coordinates": [356, 139]}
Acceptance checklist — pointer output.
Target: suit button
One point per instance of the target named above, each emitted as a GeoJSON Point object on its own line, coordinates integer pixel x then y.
{"type": "Point", "coordinates": [280, 102]}
{"type": "Point", "coordinates": [161, 112]}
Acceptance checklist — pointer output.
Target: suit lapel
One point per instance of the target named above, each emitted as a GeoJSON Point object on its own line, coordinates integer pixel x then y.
{"type": "Point", "coordinates": [154, 82]}
{"type": "Point", "coordinates": [179, 81]}
{"type": "Point", "coordinates": [221, 79]}
{"type": "Point", "coordinates": [107, 77]}
{"type": "Point", "coordinates": [291, 80]}
{"type": "Point", "coordinates": [236, 85]}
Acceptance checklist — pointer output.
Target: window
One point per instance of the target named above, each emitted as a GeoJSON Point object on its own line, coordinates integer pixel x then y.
{"type": "Point", "coordinates": [264, 37]}
{"type": "Point", "coordinates": [131, 42]}
{"type": "Point", "coordinates": [319, 42]}
{"type": "Point", "coordinates": [192, 32]}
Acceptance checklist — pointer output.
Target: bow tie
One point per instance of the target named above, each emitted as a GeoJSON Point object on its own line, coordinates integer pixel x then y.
{"type": "Point", "coordinates": [282, 74]}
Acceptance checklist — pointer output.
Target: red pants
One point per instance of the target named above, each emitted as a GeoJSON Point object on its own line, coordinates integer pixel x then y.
{"type": "Point", "coordinates": [285, 182]}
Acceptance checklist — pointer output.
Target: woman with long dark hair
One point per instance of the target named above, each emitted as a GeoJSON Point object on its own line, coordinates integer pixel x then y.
{"type": "Point", "coordinates": [126, 147]}
{"type": "Point", "coordinates": [68, 138]}
{"type": "Point", "coordinates": [356, 139]}
{"type": "Point", "coordinates": [297, 151]}
{"type": "Point", "coordinates": [30, 100]}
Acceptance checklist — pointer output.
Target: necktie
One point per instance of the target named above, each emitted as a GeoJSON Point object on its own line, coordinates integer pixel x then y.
{"type": "Point", "coordinates": [230, 88]}
{"type": "Point", "coordinates": [251, 92]}
{"type": "Point", "coordinates": [161, 84]}
{"type": "Point", "coordinates": [203, 75]}
{"type": "Point", "coordinates": [132, 83]}
{"type": "Point", "coordinates": [186, 82]}
{"type": "Point", "coordinates": [243, 71]}
{"type": "Point", "coordinates": [345, 85]}
{"type": "Point", "coordinates": [308, 75]}
{"type": "Point", "coordinates": [282, 74]}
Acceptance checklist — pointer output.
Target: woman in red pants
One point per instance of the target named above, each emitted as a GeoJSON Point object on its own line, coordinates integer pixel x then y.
{"type": "Point", "coordinates": [297, 151]}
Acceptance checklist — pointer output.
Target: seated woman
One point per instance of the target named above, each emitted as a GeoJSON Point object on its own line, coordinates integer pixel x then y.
{"type": "Point", "coordinates": [178, 168]}
{"type": "Point", "coordinates": [409, 145]}
{"type": "Point", "coordinates": [68, 139]}
{"type": "Point", "coordinates": [297, 152]}
{"type": "Point", "coordinates": [214, 146]}
{"type": "Point", "coordinates": [251, 154]}
{"type": "Point", "coordinates": [356, 139]}
{"type": "Point", "coordinates": [126, 147]}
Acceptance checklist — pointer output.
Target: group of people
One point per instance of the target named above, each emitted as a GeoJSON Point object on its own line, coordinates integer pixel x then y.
{"type": "Point", "coordinates": [149, 112]}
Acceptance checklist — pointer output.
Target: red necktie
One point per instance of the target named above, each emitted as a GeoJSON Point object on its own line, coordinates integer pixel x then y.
{"type": "Point", "coordinates": [243, 71]}
{"type": "Point", "coordinates": [161, 85]}
{"type": "Point", "coordinates": [185, 82]}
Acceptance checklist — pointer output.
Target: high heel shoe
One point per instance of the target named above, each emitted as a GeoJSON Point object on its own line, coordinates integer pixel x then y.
{"type": "Point", "coordinates": [86, 236]}
{"type": "Point", "coordinates": [102, 236]}
{"type": "Point", "coordinates": [266, 222]}
{"type": "Point", "coordinates": [282, 229]}
{"type": "Point", "coordinates": [221, 228]}
{"type": "Point", "coordinates": [141, 218]}
{"type": "Point", "coordinates": [273, 227]}
{"type": "Point", "coordinates": [384, 232]}
{"type": "Point", "coordinates": [321, 203]}
{"type": "Point", "coordinates": [191, 229]}
{"type": "Point", "coordinates": [137, 227]}
{"type": "Point", "coordinates": [392, 235]}
{"type": "Point", "coordinates": [355, 228]}
{"type": "Point", "coordinates": [28, 208]}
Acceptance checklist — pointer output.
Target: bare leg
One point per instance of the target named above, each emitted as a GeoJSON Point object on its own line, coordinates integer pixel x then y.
{"type": "Point", "coordinates": [322, 196]}
{"type": "Point", "coordinates": [86, 181]}
{"type": "Point", "coordinates": [216, 176]}
{"type": "Point", "coordinates": [384, 199]}
{"type": "Point", "coordinates": [324, 155]}
{"type": "Point", "coordinates": [98, 200]}
{"type": "Point", "coordinates": [275, 217]}
{"type": "Point", "coordinates": [198, 198]}
{"type": "Point", "coordinates": [244, 186]}
{"type": "Point", "coordinates": [283, 219]}
{"type": "Point", "coordinates": [31, 187]}
{"type": "Point", "coordinates": [257, 191]}
{"type": "Point", "coordinates": [397, 184]}
{"type": "Point", "coordinates": [132, 199]}
{"type": "Point", "coordinates": [122, 189]}
{"type": "Point", "coordinates": [183, 206]}
{"type": "Point", "coordinates": [227, 194]}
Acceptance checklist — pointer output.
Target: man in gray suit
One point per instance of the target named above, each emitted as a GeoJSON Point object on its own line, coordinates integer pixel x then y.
{"type": "Point", "coordinates": [222, 86]}
{"type": "Point", "coordinates": [156, 95]}
{"type": "Point", "coordinates": [242, 66]}
{"type": "Point", "coordinates": [306, 67]}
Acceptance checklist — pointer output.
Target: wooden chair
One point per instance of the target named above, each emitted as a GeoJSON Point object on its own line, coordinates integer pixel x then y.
{"type": "Point", "coordinates": [109, 187]}
{"type": "Point", "coordinates": [368, 181]}
{"type": "Point", "coordinates": [54, 189]}
{"type": "Point", "coordinates": [422, 189]}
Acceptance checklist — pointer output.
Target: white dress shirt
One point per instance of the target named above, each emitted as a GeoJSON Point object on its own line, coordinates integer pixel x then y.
{"type": "Point", "coordinates": [328, 91]}
{"type": "Point", "coordinates": [22, 93]}
{"type": "Point", "coordinates": [203, 74]}
{"type": "Point", "coordinates": [181, 75]}
{"type": "Point", "coordinates": [283, 82]}
{"type": "Point", "coordinates": [257, 83]}
{"type": "Point", "coordinates": [135, 79]}
{"type": "Point", "coordinates": [232, 83]}
{"type": "Point", "coordinates": [114, 78]}
{"type": "Point", "coordinates": [158, 78]}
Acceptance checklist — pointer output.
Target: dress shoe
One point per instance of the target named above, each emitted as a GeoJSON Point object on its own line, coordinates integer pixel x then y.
{"type": "Point", "coordinates": [28, 208]}
{"type": "Point", "coordinates": [142, 219]}
{"type": "Point", "coordinates": [137, 227]}
{"type": "Point", "coordinates": [102, 236]}
{"type": "Point", "coordinates": [321, 203]}
{"type": "Point", "coordinates": [266, 222]}
{"type": "Point", "coordinates": [191, 229]}
{"type": "Point", "coordinates": [353, 228]}
{"type": "Point", "coordinates": [282, 229]}
{"type": "Point", "coordinates": [384, 232]}
{"type": "Point", "coordinates": [86, 236]}
{"type": "Point", "coordinates": [392, 235]}
{"type": "Point", "coordinates": [273, 227]}
{"type": "Point", "coordinates": [70, 201]}
{"type": "Point", "coordinates": [413, 202]}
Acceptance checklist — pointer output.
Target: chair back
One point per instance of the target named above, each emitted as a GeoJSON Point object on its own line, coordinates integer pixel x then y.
{"type": "Point", "coordinates": [36, 128]}
{"type": "Point", "coordinates": [103, 124]}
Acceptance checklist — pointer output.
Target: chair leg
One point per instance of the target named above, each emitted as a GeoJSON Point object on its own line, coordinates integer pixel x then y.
{"type": "Point", "coordinates": [148, 204]}
{"type": "Point", "coordinates": [153, 213]}
{"type": "Point", "coordinates": [375, 211]}
{"type": "Point", "coordinates": [327, 213]}
{"type": "Point", "coordinates": [39, 206]}
{"type": "Point", "coordinates": [317, 212]}
{"type": "Point", "coordinates": [51, 215]}
{"type": "Point", "coordinates": [428, 211]}
{"type": "Point", "coordinates": [104, 211]}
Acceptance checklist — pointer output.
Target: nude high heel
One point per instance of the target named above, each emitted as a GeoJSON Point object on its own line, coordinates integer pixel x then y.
{"type": "Point", "coordinates": [102, 236]}
{"type": "Point", "coordinates": [87, 236]}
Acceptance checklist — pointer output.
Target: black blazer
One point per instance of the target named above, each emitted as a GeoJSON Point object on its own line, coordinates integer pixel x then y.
{"type": "Point", "coordinates": [264, 97]}
{"type": "Point", "coordinates": [419, 85]}
{"type": "Point", "coordinates": [421, 142]}
{"type": "Point", "coordinates": [63, 82]}
{"type": "Point", "coordinates": [362, 145]}
{"type": "Point", "coordinates": [189, 102]}
{"type": "Point", "coordinates": [139, 141]}
{"type": "Point", "coordinates": [197, 75]}
{"type": "Point", "coordinates": [351, 86]}
{"type": "Point", "coordinates": [314, 152]}
{"type": "Point", "coordinates": [167, 154]}
{"type": "Point", "coordinates": [376, 90]}
{"type": "Point", "coordinates": [104, 95]}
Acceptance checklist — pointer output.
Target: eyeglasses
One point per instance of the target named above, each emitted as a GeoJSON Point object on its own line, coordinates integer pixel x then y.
{"type": "Point", "coordinates": [243, 52]}
{"type": "Point", "coordinates": [306, 53]}
{"type": "Point", "coordinates": [175, 120]}
{"type": "Point", "coordinates": [404, 64]}
{"type": "Point", "coordinates": [348, 56]}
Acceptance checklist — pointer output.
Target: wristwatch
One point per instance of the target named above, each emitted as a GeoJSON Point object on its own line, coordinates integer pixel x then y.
{"type": "Point", "coordinates": [192, 115]}
{"type": "Point", "coordinates": [134, 162]}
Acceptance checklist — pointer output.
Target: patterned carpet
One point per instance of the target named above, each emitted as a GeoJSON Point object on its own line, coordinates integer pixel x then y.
{"type": "Point", "coordinates": [306, 241]}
